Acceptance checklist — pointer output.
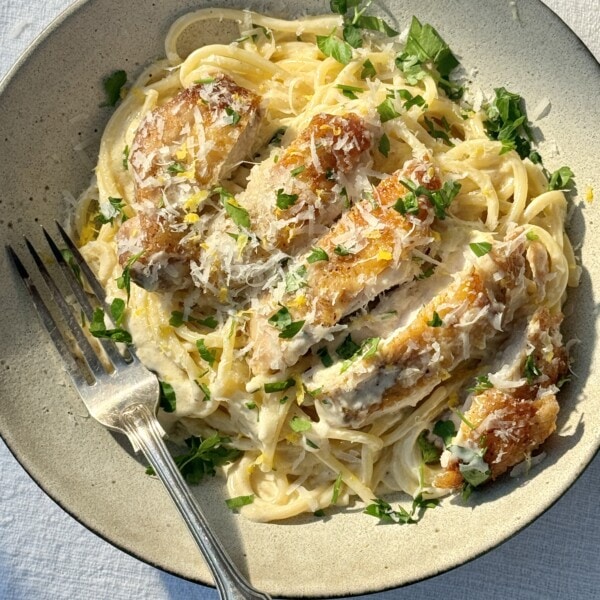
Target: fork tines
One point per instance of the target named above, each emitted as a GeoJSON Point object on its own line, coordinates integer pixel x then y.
{"type": "Point", "coordinates": [83, 362]}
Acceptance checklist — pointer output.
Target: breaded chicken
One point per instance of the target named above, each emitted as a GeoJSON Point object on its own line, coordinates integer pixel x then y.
{"type": "Point", "coordinates": [295, 195]}
{"type": "Point", "coordinates": [368, 251]}
{"type": "Point", "coordinates": [512, 420]}
{"type": "Point", "coordinates": [181, 150]}
{"type": "Point", "coordinates": [460, 324]}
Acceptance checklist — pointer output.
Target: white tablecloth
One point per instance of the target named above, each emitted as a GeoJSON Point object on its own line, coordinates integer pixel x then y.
{"type": "Point", "coordinates": [45, 554]}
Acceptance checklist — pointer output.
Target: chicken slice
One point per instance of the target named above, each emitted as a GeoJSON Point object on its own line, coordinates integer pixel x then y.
{"type": "Point", "coordinates": [369, 250]}
{"type": "Point", "coordinates": [461, 323]}
{"type": "Point", "coordinates": [292, 197]}
{"type": "Point", "coordinates": [513, 418]}
{"type": "Point", "coordinates": [181, 150]}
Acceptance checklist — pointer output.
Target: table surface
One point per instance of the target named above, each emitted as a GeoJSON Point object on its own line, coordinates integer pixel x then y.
{"type": "Point", "coordinates": [45, 554]}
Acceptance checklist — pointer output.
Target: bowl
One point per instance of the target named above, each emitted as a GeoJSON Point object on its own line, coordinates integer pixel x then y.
{"type": "Point", "coordinates": [51, 124]}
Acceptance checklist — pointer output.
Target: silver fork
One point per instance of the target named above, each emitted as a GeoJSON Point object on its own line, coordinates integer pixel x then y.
{"type": "Point", "coordinates": [124, 398]}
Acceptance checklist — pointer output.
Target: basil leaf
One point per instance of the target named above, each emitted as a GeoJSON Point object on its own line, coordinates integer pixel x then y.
{"type": "Point", "coordinates": [375, 24]}
{"type": "Point", "coordinates": [426, 43]}
{"type": "Point", "coordinates": [351, 34]}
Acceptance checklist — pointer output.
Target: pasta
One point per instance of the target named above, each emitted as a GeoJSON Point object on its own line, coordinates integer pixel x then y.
{"type": "Point", "coordinates": [331, 318]}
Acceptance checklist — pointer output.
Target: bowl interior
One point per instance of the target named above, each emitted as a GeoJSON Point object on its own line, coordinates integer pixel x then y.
{"type": "Point", "coordinates": [51, 124]}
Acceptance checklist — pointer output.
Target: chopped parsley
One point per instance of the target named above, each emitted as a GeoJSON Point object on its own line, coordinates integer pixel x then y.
{"type": "Point", "coordinates": [124, 280]}
{"type": "Point", "coordinates": [234, 115]}
{"type": "Point", "coordinates": [279, 386]}
{"type": "Point", "coordinates": [560, 179]}
{"type": "Point", "coordinates": [282, 320]}
{"type": "Point", "coordinates": [440, 199]}
{"type": "Point", "coordinates": [325, 357]}
{"type": "Point", "coordinates": [299, 424]}
{"type": "Point", "coordinates": [425, 46]}
{"type": "Point", "coordinates": [208, 355]}
{"type": "Point", "coordinates": [348, 348]}
{"type": "Point", "coordinates": [285, 201]}
{"type": "Point", "coordinates": [367, 348]}
{"type": "Point", "coordinates": [333, 46]}
{"type": "Point", "coordinates": [386, 514]}
{"type": "Point", "coordinates": [239, 501]}
{"type": "Point", "coordinates": [112, 87]}
{"type": "Point", "coordinates": [507, 123]}
{"type": "Point", "coordinates": [236, 213]}
{"type": "Point", "coordinates": [531, 370]}
{"type": "Point", "coordinates": [69, 258]}
{"type": "Point", "coordinates": [115, 208]}
{"type": "Point", "coordinates": [436, 321]}
{"type": "Point", "coordinates": [387, 111]}
{"type": "Point", "coordinates": [175, 168]}
{"type": "Point", "coordinates": [295, 172]}
{"type": "Point", "coordinates": [177, 320]}
{"type": "Point", "coordinates": [435, 132]}
{"type": "Point", "coordinates": [203, 457]}
{"type": "Point", "coordinates": [384, 145]}
{"type": "Point", "coordinates": [480, 248]}
{"type": "Point", "coordinates": [294, 280]}
{"type": "Point", "coordinates": [167, 399]}
{"type": "Point", "coordinates": [125, 161]}
{"type": "Point", "coordinates": [532, 236]}
{"type": "Point", "coordinates": [410, 100]}
{"type": "Point", "coordinates": [368, 70]}
{"type": "Point", "coordinates": [98, 329]}
{"type": "Point", "coordinates": [316, 255]}
{"type": "Point", "coordinates": [341, 250]}
{"type": "Point", "coordinates": [205, 390]}
{"type": "Point", "coordinates": [350, 91]}
{"type": "Point", "coordinates": [117, 311]}
{"type": "Point", "coordinates": [408, 205]}
{"type": "Point", "coordinates": [337, 486]}
{"type": "Point", "coordinates": [277, 136]}
{"type": "Point", "coordinates": [446, 430]}
{"type": "Point", "coordinates": [482, 383]}
{"type": "Point", "coordinates": [472, 467]}
{"type": "Point", "coordinates": [430, 453]}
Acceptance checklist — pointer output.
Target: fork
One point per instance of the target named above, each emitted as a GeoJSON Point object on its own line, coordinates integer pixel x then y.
{"type": "Point", "coordinates": [122, 394]}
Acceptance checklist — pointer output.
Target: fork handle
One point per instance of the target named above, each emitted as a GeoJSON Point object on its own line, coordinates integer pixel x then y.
{"type": "Point", "coordinates": [145, 432]}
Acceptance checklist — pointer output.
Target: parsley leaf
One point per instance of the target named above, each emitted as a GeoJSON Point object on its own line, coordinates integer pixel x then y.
{"type": "Point", "coordinates": [351, 34]}
{"type": "Point", "coordinates": [177, 320]}
{"type": "Point", "coordinates": [333, 46]}
{"type": "Point", "coordinates": [387, 111]}
{"type": "Point", "coordinates": [560, 179]}
{"type": "Point", "coordinates": [325, 357]}
{"type": "Point", "coordinates": [410, 100]}
{"type": "Point", "coordinates": [472, 466]}
{"type": "Point", "coordinates": [285, 201]}
{"type": "Point", "coordinates": [98, 329]}
{"type": "Point", "coordinates": [349, 91]}
{"type": "Point", "coordinates": [341, 250]}
{"type": "Point", "coordinates": [294, 280]}
{"type": "Point", "coordinates": [430, 453]}
{"type": "Point", "coordinates": [438, 134]}
{"type": "Point", "coordinates": [384, 145]}
{"type": "Point", "coordinates": [208, 355]}
{"type": "Point", "coordinates": [436, 321]}
{"type": "Point", "coordinates": [507, 123]}
{"type": "Point", "coordinates": [203, 457]}
{"type": "Point", "coordinates": [374, 24]}
{"type": "Point", "coordinates": [316, 255]}
{"type": "Point", "coordinates": [175, 168]}
{"type": "Point", "coordinates": [440, 199]}
{"type": "Point", "coordinates": [167, 399]}
{"type": "Point", "coordinates": [480, 248]}
{"type": "Point", "coordinates": [482, 382]}
{"type": "Point", "coordinates": [427, 45]}
{"type": "Point", "coordinates": [117, 311]}
{"type": "Point", "coordinates": [234, 115]}
{"type": "Point", "coordinates": [368, 70]}
{"type": "Point", "coordinates": [124, 280]}
{"type": "Point", "coordinates": [239, 501]}
{"type": "Point", "coordinates": [236, 213]}
{"type": "Point", "coordinates": [446, 430]}
{"type": "Point", "coordinates": [299, 424]}
{"type": "Point", "coordinates": [348, 348]}
{"type": "Point", "coordinates": [70, 260]}
{"type": "Point", "coordinates": [386, 514]}
{"type": "Point", "coordinates": [108, 212]}
{"type": "Point", "coordinates": [112, 87]}
{"type": "Point", "coordinates": [279, 386]}
{"type": "Point", "coordinates": [276, 137]}
{"type": "Point", "coordinates": [282, 320]}
{"type": "Point", "coordinates": [531, 370]}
